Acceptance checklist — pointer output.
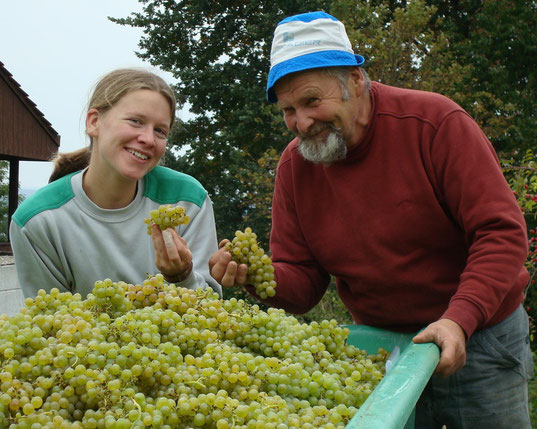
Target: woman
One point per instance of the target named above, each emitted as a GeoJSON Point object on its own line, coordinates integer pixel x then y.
{"type": "Point", "coordinates": [88, 223]}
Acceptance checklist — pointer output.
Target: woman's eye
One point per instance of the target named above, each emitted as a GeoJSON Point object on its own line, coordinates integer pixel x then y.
{"type": "Point", "coordinates": [135, 120]}
{"type": "Point", "coordinates": [161, 132]}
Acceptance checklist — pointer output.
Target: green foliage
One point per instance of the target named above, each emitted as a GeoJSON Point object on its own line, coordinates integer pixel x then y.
{"type": "Point", "coordinates": [496, 41]}
{"type": "Point", "coordinates": [399, 46]}
{"type": "Point", "coordinates": [522, 178]}
{"type": "Point", "coordinates": [219, 52]}
{"type": "Point", "coordinates": [330, 307]}
{"type": "Point", "coordinates": [480, 54]}
{"type": "Point", "coordinates": [4, 196]}
{"type": "Point", "coordinates": [258, 185]}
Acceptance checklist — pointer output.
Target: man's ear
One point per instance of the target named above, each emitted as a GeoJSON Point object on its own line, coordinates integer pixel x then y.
{"type": "Point", "coordinates": [357, 81]}
{"type": "Point", "coordinates": [92, 122]}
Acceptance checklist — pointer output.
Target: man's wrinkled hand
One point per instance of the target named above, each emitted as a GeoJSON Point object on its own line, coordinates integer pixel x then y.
{"type": "Point", "coordinates": [225, 271]}
{"type": "Point", "coordinates": [451, 339]}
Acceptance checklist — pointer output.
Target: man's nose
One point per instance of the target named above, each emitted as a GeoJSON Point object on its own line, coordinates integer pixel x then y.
{"type": "Point", "coordinates": [303, 122]}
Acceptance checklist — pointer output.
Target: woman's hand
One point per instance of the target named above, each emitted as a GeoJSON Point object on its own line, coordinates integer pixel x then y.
{"type": "Point", "coordinates": [225, 271]}
{"type": "Point", "coordinates": [173, 258]}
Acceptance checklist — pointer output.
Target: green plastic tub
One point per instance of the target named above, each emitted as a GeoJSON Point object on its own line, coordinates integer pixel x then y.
{"type": "Point", "coordinates": [392, 402]}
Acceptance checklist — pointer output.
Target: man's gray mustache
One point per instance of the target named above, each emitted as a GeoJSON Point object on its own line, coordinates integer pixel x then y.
{"type": "Point", "coordinates": [316, 130]}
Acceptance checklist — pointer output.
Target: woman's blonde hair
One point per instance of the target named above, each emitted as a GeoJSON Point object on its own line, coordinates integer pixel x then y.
{"type": "Point", "coordinates": [108, 91]}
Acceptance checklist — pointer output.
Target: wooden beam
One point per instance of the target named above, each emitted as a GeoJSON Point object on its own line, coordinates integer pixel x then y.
{"type": "Point", "coordinates": [13, 200]}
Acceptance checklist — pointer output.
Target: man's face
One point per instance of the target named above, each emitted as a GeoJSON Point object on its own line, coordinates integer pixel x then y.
{"type": "Point", "coordinates": [314, 110]}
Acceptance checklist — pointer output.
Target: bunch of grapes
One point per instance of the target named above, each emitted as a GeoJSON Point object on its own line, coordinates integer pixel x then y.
{"type": "Point", "coordinates": [148, 293]}
{"type": "Point", "coordinates": [154, 291]}
{"type": "Point", "coordinates": [245, 249]}
{"type": "Point", "coordinates": [109, 297]}
{"type": "Point", "coordinates": [190, 359]}
{"type": "Point", "coordinates": [167, 216]}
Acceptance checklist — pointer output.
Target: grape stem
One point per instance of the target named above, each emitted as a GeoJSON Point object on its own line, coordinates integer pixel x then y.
{"type": "Point", "coordinates": [138, 407]}
{"type": "Point", "coordinates": [198, 382]}
{"type": "Point", "coordinates": [76, 359]}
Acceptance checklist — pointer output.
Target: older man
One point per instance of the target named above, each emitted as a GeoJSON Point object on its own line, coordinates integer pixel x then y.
{"type": "Point", "coordinates": [399, 195]}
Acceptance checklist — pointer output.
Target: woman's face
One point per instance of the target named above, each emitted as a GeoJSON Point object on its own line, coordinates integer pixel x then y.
{"type": "Point", "coordinates": [130, 138]}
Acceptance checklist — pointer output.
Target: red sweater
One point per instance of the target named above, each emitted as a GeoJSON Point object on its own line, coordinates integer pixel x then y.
{"type": "Point", "coordinates": [417, 223]}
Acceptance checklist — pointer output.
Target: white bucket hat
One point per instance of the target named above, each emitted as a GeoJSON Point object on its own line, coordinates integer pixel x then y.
{"type": "Point", "coordinates": [307, 41]}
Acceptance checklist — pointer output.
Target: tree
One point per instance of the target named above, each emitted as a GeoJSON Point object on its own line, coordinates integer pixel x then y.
{"type": "Point", "coordinates": [422, 47]}
{"type": "Point", "coordinates": [496, 41]}
{"type": "Point", "coordinates": [522, 177]}
{"type": "Point", "coordinates": [219, 52]}
{"type": "Point", "coordinates": [481, 54]}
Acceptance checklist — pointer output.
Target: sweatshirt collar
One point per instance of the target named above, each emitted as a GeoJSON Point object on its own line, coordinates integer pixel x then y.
{"type": "Point", "coordinates": [105, 215]}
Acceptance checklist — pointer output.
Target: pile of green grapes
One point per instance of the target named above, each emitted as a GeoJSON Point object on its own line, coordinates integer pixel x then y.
{"type": "Point", "coordinates": [245, 249]}
{"type": "Point", "coordinates": [167, 216]}
{"type": "Point", "coordinates": [175, 358]}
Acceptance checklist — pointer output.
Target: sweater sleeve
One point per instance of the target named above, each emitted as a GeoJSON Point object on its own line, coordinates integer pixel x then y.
{"type": "Point", "coordinates": [38, 263]}
{"type": "Point", "coordinates": [476, 195]}
{"type": "Point", "coordinates": [200, 235]}
{"type": "Point", "coordinates": [301, 282]}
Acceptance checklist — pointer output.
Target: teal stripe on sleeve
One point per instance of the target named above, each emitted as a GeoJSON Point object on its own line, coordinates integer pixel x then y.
{"type": "Point", "coordinates": [166, 186]}
{"type": "Point", "coordinates": [49, 197]}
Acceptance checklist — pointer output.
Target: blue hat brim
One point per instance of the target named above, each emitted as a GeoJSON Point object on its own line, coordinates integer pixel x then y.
{"type": "Point", "coordinates": [309, 61]}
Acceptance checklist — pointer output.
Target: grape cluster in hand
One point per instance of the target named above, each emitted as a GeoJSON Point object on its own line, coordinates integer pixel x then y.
{"type": "Point", "coordinates": [167, 216]}
{"type": "Point", "coordinates": [245, 249]}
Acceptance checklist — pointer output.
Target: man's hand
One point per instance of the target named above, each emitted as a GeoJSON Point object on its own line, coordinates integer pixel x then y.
{"type": "Point", "coordinates": [224, 270]}
{"type": "Point", "coordinates": [450, 337]}
{"type": "Point", "coordinates": [172, 255]}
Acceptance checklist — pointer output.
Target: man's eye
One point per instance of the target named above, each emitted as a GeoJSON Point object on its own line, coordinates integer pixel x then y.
{"type": "Point", "coordinates": [135, 120]}
{"type": "Point", "coordinates": [313, 100]}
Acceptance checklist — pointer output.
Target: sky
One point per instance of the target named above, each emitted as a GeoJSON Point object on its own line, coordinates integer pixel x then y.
{"type": "Point", "coordinates": [57, 50]}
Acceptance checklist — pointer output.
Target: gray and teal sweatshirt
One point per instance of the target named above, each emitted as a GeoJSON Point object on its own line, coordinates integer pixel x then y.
{"type": "Point", "coordinates": [61, 239]}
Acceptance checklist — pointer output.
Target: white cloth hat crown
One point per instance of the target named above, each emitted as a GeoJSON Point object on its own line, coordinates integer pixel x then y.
{"type": "Point", "coordinates": [307, 41]}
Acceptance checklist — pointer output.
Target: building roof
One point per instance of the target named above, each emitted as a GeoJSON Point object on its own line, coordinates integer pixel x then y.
{"type": "Point", "coordinates": [25, 134]}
